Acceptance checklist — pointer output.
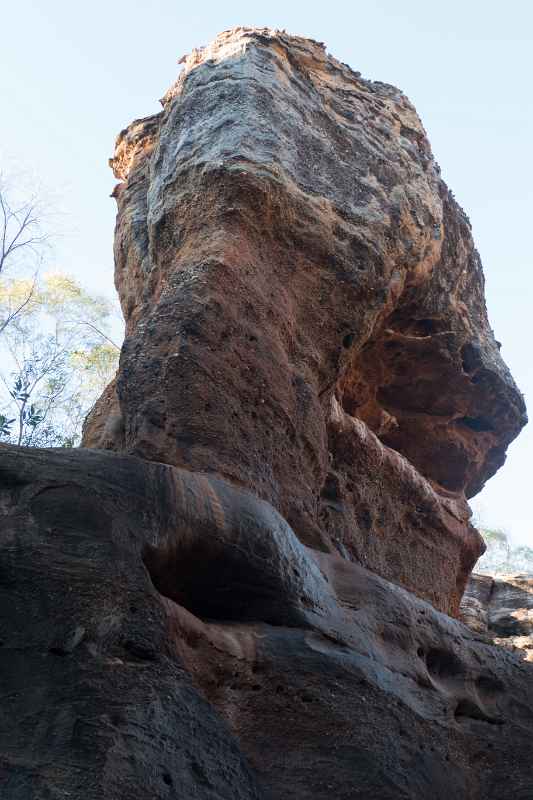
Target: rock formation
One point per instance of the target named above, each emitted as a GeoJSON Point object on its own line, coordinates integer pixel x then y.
{"type": "Point", "coordinates": [501, 607]}
{"type": "Point", "coordinates": [166, 635]}
{"type": "Point", "coordinates": [244, 597]}
{"type": "Point", "coordinates": [304, 310]}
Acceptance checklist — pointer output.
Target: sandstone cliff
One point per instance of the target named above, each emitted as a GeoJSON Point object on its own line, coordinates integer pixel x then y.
{"type": "Point", "coordinates": [165, 635]}
{"type": "Point", "coordinates": [244, 596]}
{"type": "Point", "coordinates": [502, 608]}
{"type": "Point", "coordinates": [304, 309]}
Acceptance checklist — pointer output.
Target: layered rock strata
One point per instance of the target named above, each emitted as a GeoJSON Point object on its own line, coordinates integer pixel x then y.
{"type": "Point", "coordinates": [502, 608]}
{"type": "Point", "coordinates": [166, 635]}
{"type": "Point", "coordinates": [304, 309]}
{"type": "Point", "coordinates": [308, 393]}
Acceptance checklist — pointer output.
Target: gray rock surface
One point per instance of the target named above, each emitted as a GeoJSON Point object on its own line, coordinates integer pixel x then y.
{"type": "Point", "coordinates": [305, 310]}
{"type": "Point", "coordinates": [166, 635]}
{"type": "Point", "coordinates": [235, 591]}
{"type": "Point", "coordinates": [502, 607]}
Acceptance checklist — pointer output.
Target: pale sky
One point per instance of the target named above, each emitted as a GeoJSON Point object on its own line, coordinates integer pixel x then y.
{"type": "Point", "coordinates": [74, 74]}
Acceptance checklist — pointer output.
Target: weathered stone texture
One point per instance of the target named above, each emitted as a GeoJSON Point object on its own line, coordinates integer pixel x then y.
{"type": "Point", "coordinates": [502, 608]}
{"type": "Point", "coordinates": [165, 635]}
{"type": "Point", "coordinates": [217, 608]}
{"type": "Point", "coordinates": [304, 309]}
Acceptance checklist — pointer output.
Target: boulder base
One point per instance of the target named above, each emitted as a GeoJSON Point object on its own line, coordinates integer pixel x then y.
{"type": "Point", "coordinates": [167, 635]}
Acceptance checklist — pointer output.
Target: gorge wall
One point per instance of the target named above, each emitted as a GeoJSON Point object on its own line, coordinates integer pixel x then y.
{"type": "Point", "coordinates": [501, 607]}
{"type": "Point", "coordinates": [244, 584]}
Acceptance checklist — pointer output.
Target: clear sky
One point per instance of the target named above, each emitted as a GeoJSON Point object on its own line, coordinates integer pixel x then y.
{"type": "Point", "coordinates": [72, 75]}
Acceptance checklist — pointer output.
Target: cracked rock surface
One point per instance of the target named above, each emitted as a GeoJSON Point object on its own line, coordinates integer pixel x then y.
{"type": "Point", "coordinates": [305, 311]}
{"type": "Point", "coordinates": [245, 584]}
{"type": "Point", "coordinates": [166, 635]}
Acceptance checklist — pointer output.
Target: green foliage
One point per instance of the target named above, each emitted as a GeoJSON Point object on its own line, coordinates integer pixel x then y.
{"type": "Point", "coordinates": [58, 358]}
{"type": "Point", "coordinates": [524, 554]}
{"type": "Point", "coordinates": [55, 353]}
{"type": "Point", "coordinates": [494, 535]}
{"type": "Point", "coordinates": [501, 557]}
{"type": "Point", "coordinates": [5, 426]}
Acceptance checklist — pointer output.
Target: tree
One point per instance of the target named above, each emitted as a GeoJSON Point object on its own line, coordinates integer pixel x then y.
{"type": "Point", "coordinates": [22, 240]}
{"type": "Point", "coordinates": [501, 557]}
{"type": "Point", "coordinates": [58, 358]}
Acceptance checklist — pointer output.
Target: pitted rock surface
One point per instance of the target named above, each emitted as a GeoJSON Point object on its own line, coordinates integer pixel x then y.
{"type": "Point", "coordinates": [166, 635]}
{"type": "Point", "coordinates": [235, 590]}
{"type": "Point", "coordinates": [304, 309]}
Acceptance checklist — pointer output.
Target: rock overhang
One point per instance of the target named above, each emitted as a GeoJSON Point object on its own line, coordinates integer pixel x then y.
{"type": "Point", "coordinates": [295, 356]}
{"type": "Point", "coordinates": [290, 265]}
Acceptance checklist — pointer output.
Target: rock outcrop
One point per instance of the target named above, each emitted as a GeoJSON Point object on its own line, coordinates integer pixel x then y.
{"type": "Point", "coordinates": [501, 607]}
{"type": "Point", "coordinates": [304, 310]}
{"type": "Point", "coordinates": [165, 634]}
{"type": "Point", "coordinates": [236, 588]}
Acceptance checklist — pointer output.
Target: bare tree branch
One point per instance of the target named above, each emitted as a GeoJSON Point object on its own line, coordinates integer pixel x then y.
{"type": "Point", "coordinates": [11, 316]}
{"type": "Point", "coordinates": [4, 225]}
{"type": "Point", "coordinates": [99, 332]}
{"type": "Point", "coordinates": [19, 232]}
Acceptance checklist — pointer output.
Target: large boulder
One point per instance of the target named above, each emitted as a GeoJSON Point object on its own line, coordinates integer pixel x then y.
{"type": "Point", "coordinates": [165, 635]}
{"type": "Point", "coordinates": [236, 589]}
{"type": "Point", "coordinates": [304, 309]}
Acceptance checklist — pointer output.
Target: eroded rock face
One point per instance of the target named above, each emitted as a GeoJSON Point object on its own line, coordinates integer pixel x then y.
{"type": "Point", "coordinates": [308, 392]}
{"type": "Point", "coordinates": [501, 607]}
{"type": "Point", "coordinates": [167, 635]}
{"type": "Point", "coordinates": [305, 312]}
{"type": "Point", "coordinates": [475, 602]}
